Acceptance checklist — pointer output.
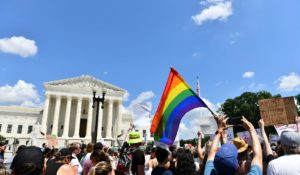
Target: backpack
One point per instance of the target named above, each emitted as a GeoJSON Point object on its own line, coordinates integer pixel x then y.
{"type": "Point", "coordinates": [123, 165]}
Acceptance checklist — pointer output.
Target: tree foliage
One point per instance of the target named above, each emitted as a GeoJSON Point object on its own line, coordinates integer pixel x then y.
{"type": "Point", "coordinates": [246, 105]}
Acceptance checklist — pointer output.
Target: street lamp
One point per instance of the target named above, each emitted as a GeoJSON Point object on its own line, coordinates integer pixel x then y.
{"type": "Point", "coordinates": [97, 100]}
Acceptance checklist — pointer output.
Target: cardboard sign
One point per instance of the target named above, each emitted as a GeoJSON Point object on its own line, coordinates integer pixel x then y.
{"type": "Point", "coordinates": [278, 110]}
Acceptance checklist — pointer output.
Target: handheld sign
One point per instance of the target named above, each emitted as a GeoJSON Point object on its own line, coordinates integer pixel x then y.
{"type": "Point", "coordinates": [278, 110]}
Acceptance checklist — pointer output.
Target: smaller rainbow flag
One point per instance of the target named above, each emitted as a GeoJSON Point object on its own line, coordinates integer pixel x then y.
{"type": "Point", "coordinates": [177, 99]}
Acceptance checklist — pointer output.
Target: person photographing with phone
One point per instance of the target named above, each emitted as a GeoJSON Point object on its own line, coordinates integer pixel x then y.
{"type": "Point", "coordinates": [224, 161]}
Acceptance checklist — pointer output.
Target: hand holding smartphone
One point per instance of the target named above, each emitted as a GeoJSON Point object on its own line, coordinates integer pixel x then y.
{"type": "Point", "coordinates": [235, 121]}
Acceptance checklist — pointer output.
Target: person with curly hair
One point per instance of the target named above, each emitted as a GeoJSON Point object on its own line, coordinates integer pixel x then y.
{"type": "Point", "coordinates": [185, 162]}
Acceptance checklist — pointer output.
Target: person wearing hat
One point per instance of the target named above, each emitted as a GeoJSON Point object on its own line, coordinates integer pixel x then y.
{"type": "Point", "coordinates": [224, 161]}
{"type": "Point", "coordinates": [61, 164]}
{"type": "Point", "coordinates": [243, 154]}
{"type": "Point", "coordinates": [138, 156]}
{"type": "Point", "coordinates": [290, 162]}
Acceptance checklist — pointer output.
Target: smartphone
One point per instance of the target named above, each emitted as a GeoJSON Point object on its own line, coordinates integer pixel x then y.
{"type": "Point", "coordinates": [235, 121]}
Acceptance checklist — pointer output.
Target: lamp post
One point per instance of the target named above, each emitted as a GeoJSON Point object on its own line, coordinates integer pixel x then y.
{"type": "Point", "coordinates": [97, 100]}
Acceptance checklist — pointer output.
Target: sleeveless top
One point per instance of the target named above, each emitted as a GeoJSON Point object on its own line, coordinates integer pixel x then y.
{"type": "Point", "coordinates": [52, 168]}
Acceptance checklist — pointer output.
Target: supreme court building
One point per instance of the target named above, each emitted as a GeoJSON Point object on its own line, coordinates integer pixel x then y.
{"type": "Point", "coordinates": [68, 115]}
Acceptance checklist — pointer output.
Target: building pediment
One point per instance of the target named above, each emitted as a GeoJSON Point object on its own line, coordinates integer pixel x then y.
{"type": "Point", "coordinates": [84, 82]}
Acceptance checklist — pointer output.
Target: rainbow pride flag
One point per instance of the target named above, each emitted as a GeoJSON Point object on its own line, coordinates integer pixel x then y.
{"type": "Point", "coordinates": [177, 99]}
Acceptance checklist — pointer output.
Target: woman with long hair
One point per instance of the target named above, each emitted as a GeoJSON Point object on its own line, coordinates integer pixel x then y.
{"type": "Point", "coordinates": [185, 162]}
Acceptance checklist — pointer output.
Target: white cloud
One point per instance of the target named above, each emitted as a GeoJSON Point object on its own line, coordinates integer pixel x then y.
{"type": "Point", "coordinates": [248, 74]}
{"type": "Point", "coordinates": [22, 93]}
{"type": "Point", "coordinates": [191, 122]}
{"type": "Point", "coordinates": [126, 96]}
{"type": "Point", "coordinates": [144, 96]}
{"type": "Point", "coordinates": [234, 37]}
{"type": "Point", "coordinates": [18, 45]}
{"type": "Point", "coordinates": [206, 2]}
{"type": "Point", "coordinates": [289, 82]}
{"type": "Point", "coordinates": [219, 10]}
{"type": "Point", "coordinates": [141, 109]}
{"type": "Point", "coordinates": [196, 54]}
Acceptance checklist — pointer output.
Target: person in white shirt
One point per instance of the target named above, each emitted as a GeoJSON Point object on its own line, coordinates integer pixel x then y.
{"type": "Point", "coordinates": [75, 149]}
{"type": "Point", "coordinates": [289, 164]}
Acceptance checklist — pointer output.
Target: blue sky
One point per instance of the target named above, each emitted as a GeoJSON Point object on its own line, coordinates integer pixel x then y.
{"type": "Point", "coordinates": [233, 46]}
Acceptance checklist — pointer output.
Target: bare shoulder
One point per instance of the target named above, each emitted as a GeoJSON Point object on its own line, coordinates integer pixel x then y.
{"type": "Point", "coordinates": [66, 170]}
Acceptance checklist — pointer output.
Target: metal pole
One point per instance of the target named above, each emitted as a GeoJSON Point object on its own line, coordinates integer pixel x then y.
{"type": "Point", "coordinates": [97, 100]}
{"type": "Point", "coordinates": [96, 124]}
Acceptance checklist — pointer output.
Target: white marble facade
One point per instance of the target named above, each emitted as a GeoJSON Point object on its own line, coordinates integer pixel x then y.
{"type": "Point", "coordinates": [68, 113]}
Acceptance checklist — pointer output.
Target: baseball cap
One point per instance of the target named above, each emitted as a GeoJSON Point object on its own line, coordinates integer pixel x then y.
{"type": "Point", "coordinates": [226, 159]}
{"type": "Point", "coordinates": [290, 138]}
{"type": "Point", "coordinates": [28, 161]}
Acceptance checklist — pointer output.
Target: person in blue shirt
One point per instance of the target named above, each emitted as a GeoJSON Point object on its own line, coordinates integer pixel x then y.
{"type": "Point", "coordinates": [224, 161]}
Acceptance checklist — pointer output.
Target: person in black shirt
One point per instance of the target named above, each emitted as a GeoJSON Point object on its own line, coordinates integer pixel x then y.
{"type": "Point", "coordinates": [60, 165]}
{"type": "Point", "coordinates": [162, 156]}
{"type": "Point", "coordinates": [138, 156]}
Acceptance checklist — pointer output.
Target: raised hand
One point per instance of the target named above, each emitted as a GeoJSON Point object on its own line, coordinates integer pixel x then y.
{"type": "Point", "coordinates": [199, 133]}
{"type": "Point", "coordinates": [221, 121]}
{"type": "Point", "coordinates": [297, 119]}
{"type": "Point", "coordinates": [261, 123]}
{"type": "Point", "coordinates": [247, 125]}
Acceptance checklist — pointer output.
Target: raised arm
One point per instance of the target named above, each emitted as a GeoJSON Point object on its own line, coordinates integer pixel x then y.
{"type": "Point", "coordinates": [200, 150]}
{"type": "Point", "coordinates": [129, 130]}
{"type": "Point", "coordinates": [221, 121]}
{"type": "Point", "coordinates": [268, 148]}
{"type": "Point", "coordinates": [214, 145]}
{"type": "Point", "coordinates": [298, 123]}
{"type": "Point", "coordinates": [257, 153]}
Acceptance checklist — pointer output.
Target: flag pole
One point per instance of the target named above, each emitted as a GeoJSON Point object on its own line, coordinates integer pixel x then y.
{"type": "Point", "coordinates": [198, 93]}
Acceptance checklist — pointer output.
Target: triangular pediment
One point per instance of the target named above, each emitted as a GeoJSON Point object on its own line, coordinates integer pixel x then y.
{"type": "Point", "coordinates": [84, 81]}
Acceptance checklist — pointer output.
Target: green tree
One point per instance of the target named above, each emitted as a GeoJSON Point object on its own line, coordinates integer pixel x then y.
{"type": "Point", "coordinates": [246, 105]}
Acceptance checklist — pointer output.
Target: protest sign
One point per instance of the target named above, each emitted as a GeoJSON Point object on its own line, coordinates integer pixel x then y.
{"type": "Point", "coordinates": [281, 128]}
{"type": "Point", "coordinates": [278, 110]}
{"type": "Point", "coordinates": [230, 134]}
{"type": "Point", "coordinates": [246, 136]}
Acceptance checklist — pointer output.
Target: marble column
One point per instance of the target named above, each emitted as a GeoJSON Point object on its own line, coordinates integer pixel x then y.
{"type": "Point", "coordinates": [109, 119]}
{"type": "Point", "coordinates": [89, 120]}
{"type": "Point", "coordinates": [119, 119]}
{"type": "Point", "coordinates": [67, 117]}
{"type": "Point", "coordinates": [56, 115]}
{"type": "Point", "coordinates": [100, 119]}
{"type": "Point", "coordinates": [45, 114]}
{"type": "Point", "coordinates": [78, 115]}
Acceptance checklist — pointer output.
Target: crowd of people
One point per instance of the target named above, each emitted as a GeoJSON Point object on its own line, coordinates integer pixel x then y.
{"type": "Point", "coordinates": [216, 157]}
